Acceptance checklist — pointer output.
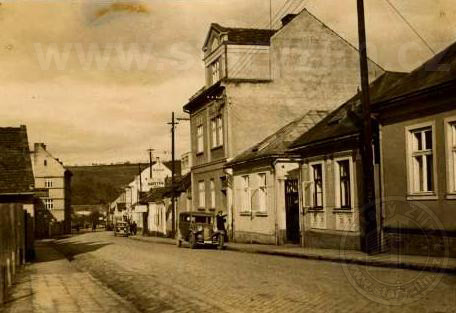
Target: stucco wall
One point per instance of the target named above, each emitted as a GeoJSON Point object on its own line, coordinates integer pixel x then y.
{"type": "Point", "coordinates": [325, 228]}
{"type": "Point", "coordinates": [313, 69]}
{"type": "Point", "coordinates": [395, 171]}
{"type": "Point", "coordinates": [254, 226]}
{"type": "Point", "coordinates": [248, 62]}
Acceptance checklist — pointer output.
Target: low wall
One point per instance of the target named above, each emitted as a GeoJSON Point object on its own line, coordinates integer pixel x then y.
{"type": "Point", "coordinates": [428, 243]}
{"type": "Point", "coordinates": [331, 240]}
{"type": "Point", "coordinates": [16, 242]}
{"type": "Point", "coordinates": [251, 237]}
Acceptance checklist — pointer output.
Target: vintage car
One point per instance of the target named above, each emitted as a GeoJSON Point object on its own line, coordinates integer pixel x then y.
{"type": "Point", "coordinates": [199, 229]}
{"type": "Point", "coordinates": [121, 229]}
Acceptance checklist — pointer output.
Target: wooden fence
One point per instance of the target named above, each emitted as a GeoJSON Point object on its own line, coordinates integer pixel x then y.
{"type": "Point", "coordinates": [16, 242]}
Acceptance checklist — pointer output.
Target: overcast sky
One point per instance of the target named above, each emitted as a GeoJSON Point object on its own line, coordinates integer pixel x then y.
{"type": "Point", "coordinates": [113, 108]}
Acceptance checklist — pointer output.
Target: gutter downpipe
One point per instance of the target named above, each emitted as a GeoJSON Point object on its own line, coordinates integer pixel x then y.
{"type": "Point", "coordinates": [276, 224]}
{"type": "Point", "coordinates": [382, 189]}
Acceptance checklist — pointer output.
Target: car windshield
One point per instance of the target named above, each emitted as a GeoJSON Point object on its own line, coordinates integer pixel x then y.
{"type": "Point", "coordinates": [202, 219]}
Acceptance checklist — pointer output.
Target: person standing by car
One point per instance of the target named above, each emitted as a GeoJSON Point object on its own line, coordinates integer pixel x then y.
{"type": "Point", "coordinates": [220, 219]}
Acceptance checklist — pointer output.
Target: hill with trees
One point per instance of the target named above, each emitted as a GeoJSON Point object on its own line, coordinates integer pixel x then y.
{"type": "Point", "coordinates": [98, 184]}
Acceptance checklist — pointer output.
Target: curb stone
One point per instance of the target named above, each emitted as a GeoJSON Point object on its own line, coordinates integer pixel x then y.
{"type": "Point", "coordinates": [335, 259]}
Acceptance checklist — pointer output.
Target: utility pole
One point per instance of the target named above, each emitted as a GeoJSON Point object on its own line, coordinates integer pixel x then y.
{"type": "Point", "coordinates": [368, 213]}
{"type": "Point", "coordinates": [140, 181]}
{"type": "Point", "coordinates": [173, 172]}
{"type": "Point", "coordinates": [150, 161]}
{"type": "Point", "coordinates": [174, 122]}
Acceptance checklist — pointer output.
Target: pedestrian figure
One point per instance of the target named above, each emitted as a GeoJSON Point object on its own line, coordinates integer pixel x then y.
{"type": "Point", "coordinates": [134, 228]}
{"type": "Point", "coordinates": [220, 219]}
{"type": "Point", "coordinates": [94, 226]}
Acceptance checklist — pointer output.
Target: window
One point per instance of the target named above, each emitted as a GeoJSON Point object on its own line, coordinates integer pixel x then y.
{"type": "Point", "coordinates": [214, 133]}
{"type": "Point", "coordinates": [202, 194]}
{"type": "Point", "coordinates": [48, 183]}
{"type": "Point", "coordinates": [215, 71]}
{"type": "Point", "coordinates": [317, 185]}
{"type": "Point", "coordinates": [245, 194]}
{"type": "Point", "coordinates": [217, 131]}
{"type": "Point", "coordinates": [45, 162]}
{"type": "Point", "coordinates": [49, 204]}
{"type": "Point", "coordinates": [220, 130]}
{"type": "Point", "coordinates": [343, 184]}
{"type": "Point", "coordinates": [262, 189]}
{"type": "Point", "coordinates": [199, 139]}
{"type": "Point", "coordinates": [421, 161]}
{"type": "Point", "coordinates": [451, 156]}
{"type": "Point", "coordinates": [212, 188]}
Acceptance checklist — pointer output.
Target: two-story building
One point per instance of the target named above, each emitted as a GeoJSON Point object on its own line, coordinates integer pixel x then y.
{"type": "Point", "coordinates": [51, 174]}
{"type": "Point", "coordinates": [257, 81]}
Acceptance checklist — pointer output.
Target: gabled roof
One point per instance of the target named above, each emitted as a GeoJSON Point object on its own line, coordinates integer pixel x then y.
{"type": "Point", "coordinates": [242, 36]}
{"type": "Point", "coordinates": [16, 174]}
{"type": "Point", "coordinates": [439, 69]}
{"type": "Point", "coordinates": [278, 143]}
{"type": "Point", "coordinates": [345, 120]}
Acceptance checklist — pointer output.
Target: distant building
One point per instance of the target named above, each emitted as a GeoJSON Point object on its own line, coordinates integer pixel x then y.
{"type": "Point", "coordinates": [51, 174]}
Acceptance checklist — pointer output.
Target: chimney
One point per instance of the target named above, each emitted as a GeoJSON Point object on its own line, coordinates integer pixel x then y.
{"type": "Point", "coordinates": [39, 145]}
{"type": "Point", "coordinates": [288, 18]}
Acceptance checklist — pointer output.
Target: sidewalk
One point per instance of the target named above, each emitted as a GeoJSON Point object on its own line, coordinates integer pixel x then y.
{"type": "Point", "coordinates": [412, 262]}
{"type": "Point", "coordinates": [52, 284]}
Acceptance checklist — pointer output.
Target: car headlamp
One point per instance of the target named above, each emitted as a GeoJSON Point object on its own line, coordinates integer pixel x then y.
{"type": "Point", "coordinates": [200, 228]}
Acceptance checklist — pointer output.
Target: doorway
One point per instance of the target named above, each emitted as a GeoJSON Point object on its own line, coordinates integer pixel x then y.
{"type": "Point", "coordinates": [292, 210]}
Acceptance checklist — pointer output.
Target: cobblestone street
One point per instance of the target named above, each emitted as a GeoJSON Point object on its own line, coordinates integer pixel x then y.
{"type": "Point", "coordinates": [162, 278]}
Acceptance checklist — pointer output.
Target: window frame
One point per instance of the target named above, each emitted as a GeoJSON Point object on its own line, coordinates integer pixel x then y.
{"type": "Point", "coordinates": [450, 148]}
{"type": "Point", "coordinates": [212, 193]}
{"type": "Point", "coordinates": [219, 126]}
{"type": "Point", "coordinates": [49, 203]}
{"type": "Point", "coordinates": [246, 202]}
{"type": "Point", "coordinates": [215, 71]}
{"type": "Point", "coordinates": [412, 194]}
{"type": "Point", "coordinates": [200, 139]}
{"type": "Point", "coordinates": [216, 132]}
{"type": "Point", "coordinates": [312, 185]}
{"type": "Point", "coordinates": [337, 191]}
{"type": "Point", "coordinates": [202, 194]}
{"type": "Point", "coordinates": [262, 192]}
{"type": "Point", "coordinates": [48, 183]}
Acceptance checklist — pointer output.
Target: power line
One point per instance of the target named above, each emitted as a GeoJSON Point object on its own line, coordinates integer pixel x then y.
{"type": "Point", "coordinates": [410, 25]}
{"type": "Point", "coordinates": [258, 24]}
{"type": "Point", "coordinates": [245, 60]}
